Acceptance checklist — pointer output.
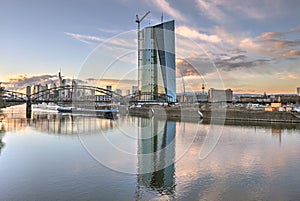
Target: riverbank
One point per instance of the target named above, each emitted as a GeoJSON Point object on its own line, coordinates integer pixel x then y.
{"type": "Point", "coordinates": [5, 104]}
{"type": "Point", "coordinates": [218, 112]}
{"type": "Point", "coordinates": [248, 115]}
{"type": "Point", "coordinates": [165, 111]}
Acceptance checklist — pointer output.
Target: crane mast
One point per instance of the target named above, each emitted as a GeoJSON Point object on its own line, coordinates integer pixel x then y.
{"type": "Point", "coordinates": [138, 21]}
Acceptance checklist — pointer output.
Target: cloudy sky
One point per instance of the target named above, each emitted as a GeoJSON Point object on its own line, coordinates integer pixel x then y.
{"type": "Point", "coordinates": [248, 46]}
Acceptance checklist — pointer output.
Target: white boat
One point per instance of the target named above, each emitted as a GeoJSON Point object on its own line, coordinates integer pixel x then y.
{"type": "Point", "coordinates": [108, 113]}
{"type": "Point", "coordinates": [45, 106]}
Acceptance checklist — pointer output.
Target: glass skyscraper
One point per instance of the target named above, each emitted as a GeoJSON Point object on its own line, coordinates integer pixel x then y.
{"type": "Point", "coordinates": [158, 67]}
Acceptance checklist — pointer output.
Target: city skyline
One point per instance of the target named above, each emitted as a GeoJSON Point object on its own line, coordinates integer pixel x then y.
{"type": "Point", "coordinates": [255, 46]}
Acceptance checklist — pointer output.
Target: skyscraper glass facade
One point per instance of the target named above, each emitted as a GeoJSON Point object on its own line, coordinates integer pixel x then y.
{"type": "Point", "coordinates": [158, 67]}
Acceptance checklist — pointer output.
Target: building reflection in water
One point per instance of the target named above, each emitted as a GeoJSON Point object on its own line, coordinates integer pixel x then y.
{"type": "Point", "coordinates": [59, 124]}
{"type": "Point", "coordinates": [2, 131]}
{"type": "Point", "coordinates": [277, 132]}
{"type": "Point", "coordinates": [156, 155]}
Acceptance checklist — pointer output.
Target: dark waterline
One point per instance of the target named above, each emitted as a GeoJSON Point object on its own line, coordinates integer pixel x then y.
{"type": "Point", "coordinates": [64, 157]}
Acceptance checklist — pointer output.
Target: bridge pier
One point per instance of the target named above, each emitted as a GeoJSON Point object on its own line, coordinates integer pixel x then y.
{"type": "Point", "coordinates": [28, 102]}
{"type": "Point", "coordinates": [28, 109]}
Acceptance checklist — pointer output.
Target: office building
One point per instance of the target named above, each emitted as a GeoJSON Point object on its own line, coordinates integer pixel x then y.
{"type": "Point", "coordinates": [158, 68]}
{"type": "Point", "coordinates": [134, 89]}
{"type": "Point", "coordinates": [118, 91]}
{"type": "Point", "coordinates": [219, 95]}
{"type": "Point", "coordinates": [108, 87]}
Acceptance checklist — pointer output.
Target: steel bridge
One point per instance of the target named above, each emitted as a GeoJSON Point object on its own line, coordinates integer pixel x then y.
{"type": "Point", "coordinates": [78, 94]}
{"type": "Point", "coordinates": [61, 95]}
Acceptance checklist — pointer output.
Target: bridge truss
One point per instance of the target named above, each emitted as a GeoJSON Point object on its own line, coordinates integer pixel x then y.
{"type": "Point", "coordinates": [67, 93]}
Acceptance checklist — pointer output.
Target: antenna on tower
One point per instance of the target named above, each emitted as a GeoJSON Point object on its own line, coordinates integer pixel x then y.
{"type": "Point", "coordinates": [59, 73]}
{"type": "Point", "coordinates": [203, 87]}
{"type": "Point", "coordinates": [162, 17]}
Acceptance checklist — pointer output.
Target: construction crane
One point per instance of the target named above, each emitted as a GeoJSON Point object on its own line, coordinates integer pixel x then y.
{"type": "Point", "coordinates": [138, 21]}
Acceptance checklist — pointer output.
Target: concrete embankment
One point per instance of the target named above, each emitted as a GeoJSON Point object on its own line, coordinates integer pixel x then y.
{"type": "Point", "coordinates": [248, 115]}
{"type": "Point", "coordinates": [220, 113]}
{"type": "Point", "coordinates": [165, 111]}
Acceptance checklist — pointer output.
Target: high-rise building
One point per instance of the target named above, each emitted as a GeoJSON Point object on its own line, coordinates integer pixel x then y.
{"type": "Point", "coordinates": [134, 89]}
{"type": "Point", "coordinates": [40, 92]}
{"type": "Point", "coordinates": [298, 91]}
{"type": "Point", "coordinates": [28, 90]}
{"type": "Point", "coordinates": [118, 91]}
{"type": "Point", "coordinates": [61, 84]}
{"type": "Point", "coordinates": [158, 68]}
{"type": "Point", "coordinates": [108, 87]}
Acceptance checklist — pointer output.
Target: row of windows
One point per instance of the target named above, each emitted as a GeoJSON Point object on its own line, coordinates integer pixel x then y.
{"type": "Point", "coordinates": [152, 50]}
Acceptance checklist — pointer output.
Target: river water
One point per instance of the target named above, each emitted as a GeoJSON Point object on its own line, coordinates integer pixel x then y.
{"type": "Point", "coordinates": [56, 156]}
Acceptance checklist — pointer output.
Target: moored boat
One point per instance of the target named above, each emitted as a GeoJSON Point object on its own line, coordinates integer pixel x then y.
{"type": "Point", "coordinates": [107, 113]}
